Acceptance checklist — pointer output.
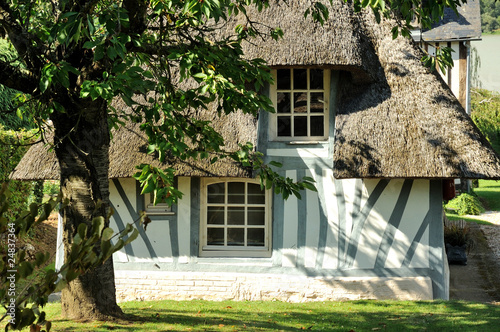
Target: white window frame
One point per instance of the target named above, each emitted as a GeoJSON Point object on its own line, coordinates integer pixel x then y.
{"type": "Point", "coordinates": [158, 209]}
{"type": "Point", "coordinates": [232, 251]}
{"type": "Point", "coordinates": [326, 111]}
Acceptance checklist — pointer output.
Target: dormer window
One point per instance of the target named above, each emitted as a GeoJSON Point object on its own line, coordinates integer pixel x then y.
{"type": "Point", "coordinates": [300, 97]}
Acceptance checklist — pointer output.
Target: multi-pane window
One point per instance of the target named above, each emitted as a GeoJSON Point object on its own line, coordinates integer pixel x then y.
{"type": "Point", "coordinates": [235, 219]}
{"type": "Point", "coordinates": [301, 100]}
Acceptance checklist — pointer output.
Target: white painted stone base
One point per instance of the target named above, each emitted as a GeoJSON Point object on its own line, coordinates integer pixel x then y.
{"type": "Point", "coordinates": [154, 285]}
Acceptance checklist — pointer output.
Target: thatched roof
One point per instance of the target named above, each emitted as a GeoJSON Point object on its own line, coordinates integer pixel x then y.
{"type": "Point", "coordinates": [128, 149]}
{"type": "Point", "coordinates": [338, 44]}
{"type": "Point", "coordinates": [408, 124]}
{"type": "Point", "coordinates": [394, 118]}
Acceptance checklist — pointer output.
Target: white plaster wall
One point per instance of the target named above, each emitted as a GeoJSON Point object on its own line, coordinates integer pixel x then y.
{"type": "Point", "coordinates": [184, 219]}
{"type": "Point", "coordinates": [330, 259]}
{"type": "Point", "coordinates": [313, 225]}
{"type": "Point", "coordinates": [158, 231]}
{"type": "Point", "coordinates": [375, 225]}
{"type": "Point", "coordinates": [291, 221]}
{"type": "Point", "coordinates": [455, 76]}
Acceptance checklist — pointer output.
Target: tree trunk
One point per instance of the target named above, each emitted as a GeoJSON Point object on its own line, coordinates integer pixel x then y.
{"type": "Point", "coordinates": [82, 147]}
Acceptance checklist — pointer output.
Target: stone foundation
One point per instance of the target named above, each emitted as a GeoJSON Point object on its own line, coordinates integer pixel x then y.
{"type": "Point", "coordinates": [154, 285]}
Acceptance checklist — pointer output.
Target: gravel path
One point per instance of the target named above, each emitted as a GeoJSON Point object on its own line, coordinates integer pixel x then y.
{"type": "Point", "coordinates": [492, 232]}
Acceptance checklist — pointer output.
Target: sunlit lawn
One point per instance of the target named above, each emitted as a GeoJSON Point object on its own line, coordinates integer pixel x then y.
{"type": "Point", "coordinates": [281, 316]}
{"type": "Point", "coordinates": [489, 192]}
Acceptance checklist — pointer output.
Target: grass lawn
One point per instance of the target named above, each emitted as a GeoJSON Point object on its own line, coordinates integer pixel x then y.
{"type": "Point", "coordinates": [489, 191]}
{"type": "Point", "coordinates": [476, 219]}
{"type": "Point", "coordinates": [280, 316]}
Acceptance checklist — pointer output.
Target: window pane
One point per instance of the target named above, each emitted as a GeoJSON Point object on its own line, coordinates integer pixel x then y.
{"type": "Point", "coordinates": [317, 102]}
{"type": "Point", "coordinates": [255, 194]}
{"type": "Point", "coordinates": [284, 126]}
{"type": "Point", "coordinates": [300, 79]}
{"type": "Point", "coordinates": [236, 216]}
{"type": "Point", "coordinates": [215, 236]}
{"type": "Point", "coordinates": [283, 79]}
{"type": "Point", "coordinates": [300, 126]}
{"type": "Point", "coordinates": [317, 125]}
{"type": "Point", "coordinates": [235, 236]}
{"type": "Point", "coordinates": [256, 216]}
{"type": "Point", "coordinates": [256, 237]}
{"type": "Point", "coordinates": [284, 102]}
{"type": "Point", "coordinates": [215, 215]}
{"type": "Point", "coordinates": [300, 102]}
{"type": "Point", "coordinates": [236, 192]}
{"type": "Point", "coordinates": [216, 193]}
{"type": "Point", "coordinates": [316, 79]}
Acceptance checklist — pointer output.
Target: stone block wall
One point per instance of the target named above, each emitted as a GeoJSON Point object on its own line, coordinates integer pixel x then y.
{"type": "Point", "coordinates": [156, 285]}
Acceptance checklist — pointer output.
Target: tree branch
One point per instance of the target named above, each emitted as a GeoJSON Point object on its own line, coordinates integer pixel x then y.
{"type": "Point", "coordinates": [20, 38]}
{"type": "Point", "coordinates": [17, 79]}
{"type": "Point", "coordinates": [137, 10]}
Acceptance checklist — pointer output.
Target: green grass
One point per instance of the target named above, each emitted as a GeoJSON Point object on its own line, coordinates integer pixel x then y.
{"type": "Point", "coordinates": [476, 219]}
{"type": "Point", "coordinates": [489, 191]}
{"type": "Point", "coordinates": [280, 316]}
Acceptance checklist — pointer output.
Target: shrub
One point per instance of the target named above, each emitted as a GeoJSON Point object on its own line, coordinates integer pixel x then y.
{"type": "Point", "coordinates": [13, 146]}
{"type": "Point", "coordinates": [23, 306]}
{"type": "Point", "coordinates": [465, 204]}
{"type": "Point", "coordinates": [457, 235]}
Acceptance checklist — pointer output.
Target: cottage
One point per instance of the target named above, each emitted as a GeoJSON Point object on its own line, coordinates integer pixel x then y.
{"type": "Point", "coordinates": [355, 110]}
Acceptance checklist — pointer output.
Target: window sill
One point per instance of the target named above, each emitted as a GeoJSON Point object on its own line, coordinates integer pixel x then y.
{"type": "Point", "coordinates": [304, 142]}
{"type": "Point", "coordinates": [160, 213]}
{"type": "Point", "coordinates": [232, 253]}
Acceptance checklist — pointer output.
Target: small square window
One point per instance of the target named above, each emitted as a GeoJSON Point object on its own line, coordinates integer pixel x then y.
{"type": "Point", "coordinates": [161, 208]}
{"type": "Point", "coordinates": [301, 100]}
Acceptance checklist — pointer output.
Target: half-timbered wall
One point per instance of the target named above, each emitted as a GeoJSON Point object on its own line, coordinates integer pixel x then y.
{"type": "Point", "coordinates": [371, 238]}
{"type": "Point", "coordinates": [351, 239]}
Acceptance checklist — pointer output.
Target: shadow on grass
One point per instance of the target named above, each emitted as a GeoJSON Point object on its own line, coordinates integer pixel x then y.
{"type": "Point", "coordinates": [365, 315]}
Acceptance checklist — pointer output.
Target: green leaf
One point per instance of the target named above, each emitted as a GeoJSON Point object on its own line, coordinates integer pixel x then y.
{"type": "Point", "coordinates": [107, 233]}
{"type": "Point", "coordinates": [395, 32]}
{"type": "Point", "coordinates": [132, 237]}
{"type": "Point", "coordinates": [309, 186]}
{"type": "Point", "coordinates": [98, 225]}
{"type": "Point", "coordinates": [44, 83]}
{"type": "Point", "coordinates": [82, 230]}
{"type": "Point", "coordinates": [276, 164]}
{"type": "Point", "coordinates": [71, 275]}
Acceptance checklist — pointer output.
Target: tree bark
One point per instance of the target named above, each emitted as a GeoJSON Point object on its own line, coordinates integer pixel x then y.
{"type": "Point", "coordinates": [81, 143]}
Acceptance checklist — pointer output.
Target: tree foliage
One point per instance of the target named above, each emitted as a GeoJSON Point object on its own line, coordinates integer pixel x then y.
{"type": "Point", "coordinates": [486, 115]}
{"type": "Point", "coordinates": [13, 146]}
{"type": "Point", "coordinates": [23, 306]}
{"type": "Point", "coordinates": [13, 115]}
{"type": "Point", "coordinates": [490, 15]}
{"type": "Point", "coordinates": [75, 60]}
